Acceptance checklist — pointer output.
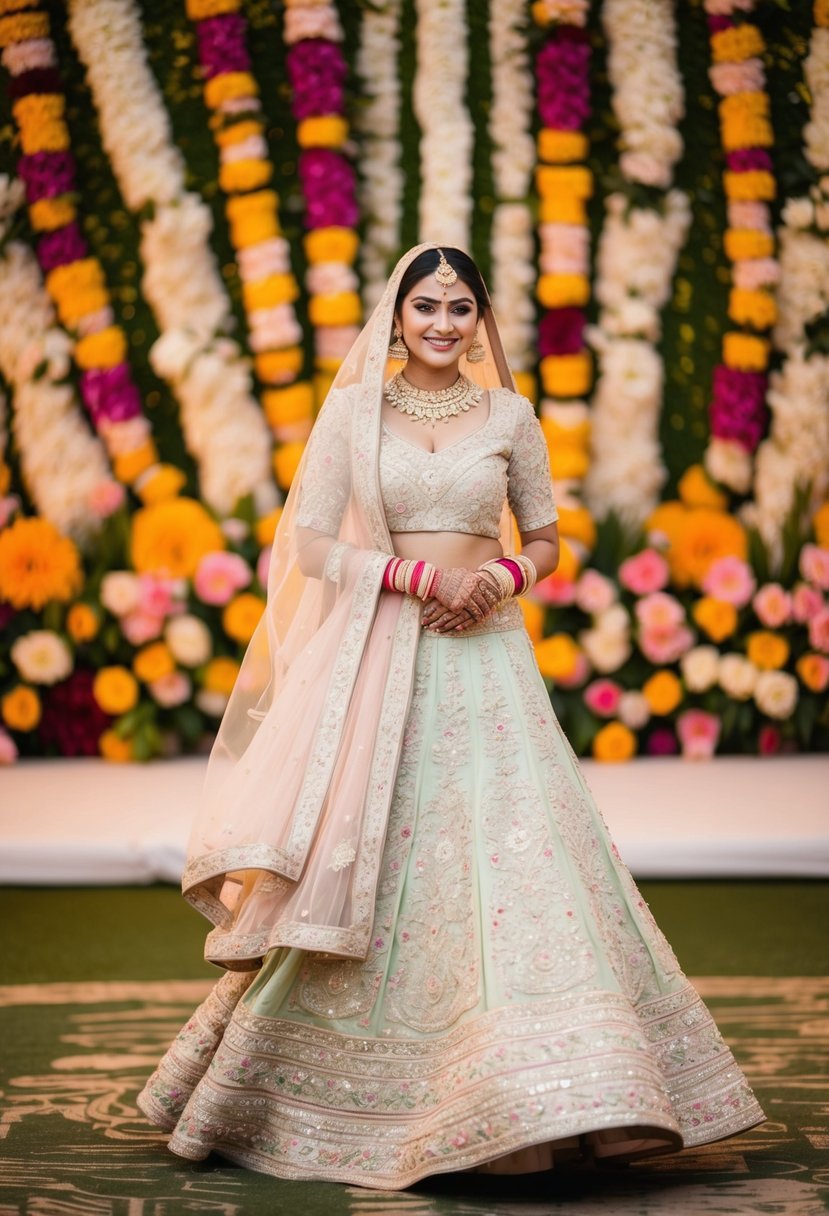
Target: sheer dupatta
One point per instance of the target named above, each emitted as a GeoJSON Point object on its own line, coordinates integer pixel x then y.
{"type": "Point", "coordinates": [286, 847]}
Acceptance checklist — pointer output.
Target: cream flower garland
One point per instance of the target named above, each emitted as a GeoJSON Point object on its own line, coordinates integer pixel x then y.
{"type": "Point", "coordinates": [796, 452]}
{"type": "Point", "coordinates": [636, 262]}
{"type": "Point", "coordinates": [181, 281]}
{"type": "Point", "coordinates": [446, 128]}
{"type": "Point", "coordinates": [64, 465]}
{"type": "Point", "coordinates": [513, 159]}
{"type": "Point", "coordinates": [381, 193]}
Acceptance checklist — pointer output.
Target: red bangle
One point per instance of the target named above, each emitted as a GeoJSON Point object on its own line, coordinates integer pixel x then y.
{"type": "Point", "coordinates": [388, 574]}
{"type": "Point", "coordinates": [515, 570]}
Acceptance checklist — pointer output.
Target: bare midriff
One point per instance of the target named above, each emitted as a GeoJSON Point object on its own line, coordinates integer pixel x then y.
{"type": "Point", "coordinates": [446, 549]}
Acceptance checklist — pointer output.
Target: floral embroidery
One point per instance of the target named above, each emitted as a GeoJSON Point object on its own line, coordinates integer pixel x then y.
{"type": "Point", "coordinates": [343, 855]}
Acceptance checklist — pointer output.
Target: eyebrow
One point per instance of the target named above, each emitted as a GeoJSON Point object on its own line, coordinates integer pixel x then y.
{"type": "Point", "coordinates": [460, 300]}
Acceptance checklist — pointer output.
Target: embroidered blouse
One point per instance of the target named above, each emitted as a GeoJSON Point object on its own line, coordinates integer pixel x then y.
{"type": "Point", "coordinates": [460, 488]}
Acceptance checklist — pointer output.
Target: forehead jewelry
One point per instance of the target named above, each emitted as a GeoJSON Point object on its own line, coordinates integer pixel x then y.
{"type": "Point", "coordinates": [445, 275]}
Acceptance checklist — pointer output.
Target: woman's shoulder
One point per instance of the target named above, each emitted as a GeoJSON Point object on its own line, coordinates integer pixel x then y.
{"type": "Point", "coordinates": [512, 404]}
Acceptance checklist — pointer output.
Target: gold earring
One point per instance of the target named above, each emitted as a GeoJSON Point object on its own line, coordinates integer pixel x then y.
{"type": "Point", "coordinates": [476, 352]}
{"type": "Point", "coordinates": [398, 350]}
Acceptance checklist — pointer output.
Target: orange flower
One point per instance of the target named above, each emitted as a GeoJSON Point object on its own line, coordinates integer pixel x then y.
{"type": "Point", "coordinates": [82, 623]}
{"type": "Point", "coordinates": [557, 656]}
{"type": "Point", "coordinates": [813, 670]}
{"type": "Point", "coordinates": [153, 662]}
{"type": "Point", "coordinates": [37, 564]}
{"type": "Point", "coordinates": [561, 147]}
{"type": "Point", "coordinates": [820, 520]}
{"type": "Point", "coordinates": [286, 460]}
{"type": "Point", "coordinates": [614, 743]}
{"type": "Point", "coordinates": [112, 747]}
{"type": "Point", "coordinates": [21, 708]}
{"type": "Point", "coordinates": [704, 536]}
{"type": "Point", "coordinates": [242, 615]}
{"type": "Point", "coordinates": [696, 490]}
{"type": "Point", "coordinates": [220, 675]}
{"type": "Point", "coordinates": [715, 617]}
{"type": "Point", "coordinates": [663, 692]}
{"type": "Point", "coordinates": [115, 689]}
{"type": "Point", "coordinates": [767, 650]}
{"type": "Point", "coordinates": [172, 536]}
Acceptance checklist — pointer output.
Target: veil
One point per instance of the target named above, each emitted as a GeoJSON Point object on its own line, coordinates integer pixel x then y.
{"type": "Point", "coordinates": [286, 845]}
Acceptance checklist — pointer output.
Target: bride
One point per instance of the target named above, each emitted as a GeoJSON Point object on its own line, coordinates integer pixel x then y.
{"type": "Point", "coordinates": [435, 958]}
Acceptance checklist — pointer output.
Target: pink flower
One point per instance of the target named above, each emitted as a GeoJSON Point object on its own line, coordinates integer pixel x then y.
{"type": "Point", "coordinates": [730, 579]}
{"type": "Point", "coordinates": [806, 602]}
{"type": "Point", "coordinates": [603, 696]}
{"type": "Point", "coordinates": [139, 627]}
{"type": "Point", "coordinates": [698, 733]}
{"type": "Point", "coordinates": [769, 741]}
{"type": "Point", "coordinates": [819, 630]}
{"type": "Point", "coordinates": [662, 646]}
{"type": "Point", "coordinates": [773, 605]}
{"type": "Point", "coordinates": [580, 672]}
{"type": "Point", "coordinates": [814, 566]}
{"type": "Point", "coordinates": [219, 576]}
{"type": "Point", "coordinates": [105, 498]}
{"type": "Point", "coordinates": [8, 748]}
{"type": "Point", "coordinates": [644, 573]}
{"type": "Point", "coordinates": [659, 611]}
{"type": "Point", "coordinates": [755, 272]}
{"type": "Point", "coordinates": [157, 595]}
{"type": "Point", "coordinates": [555, 589]}
{"type": "Point", "coordinates": [661, 742]}
{"type": "Point", "coordinates": [263, 565]}
{"type": "Point", "coordinates": [594, 592]}
{"type": "Point", "coordinates": [173, 689]}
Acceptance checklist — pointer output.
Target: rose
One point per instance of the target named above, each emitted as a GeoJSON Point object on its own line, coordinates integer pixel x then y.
{"type": "Point", "coordinates": [773, 605]}
{"type": "Point", "coordinates": [606, 649]}
{"type": "Point", "coordinates": [730, 579]}
{"type": "Point", "coordinates": [819, 630]}
{"type": "Point", "coordinates": [644, 573]}
{"type": "Point", "coordinates": [775, 693]}
{"type": "Point", "coordinates": [806, 602]}
{"type": "Point", "coordinates": [665, 645]}
{"type": "Point", "coordinates": [737, 676]}
{"type": "Point", "coordinates": [120, 592]}
{"type": "Point", "coordinates": [603, 696]}
{"type": "Point", "coordinates": [41, 657]}
{"type": "Point", "coordinates": [700, 668]}
{"type": "Point", "coordinates": [634, 710]}
{"type": "Point", "coordinates": [189, 640]}
{"type": "Point", "coordinates": [659, 611]}
{"type": "Point", "coordinates": [594, 593]}
{"type": "Point", "coordinates": [698, 733]}
{"type": "Point", "coordinates": [814, 566]}
{"type": "Point", "coordinates": [219, 576]}
{"type": "Point", "coordinates": [171, 689]}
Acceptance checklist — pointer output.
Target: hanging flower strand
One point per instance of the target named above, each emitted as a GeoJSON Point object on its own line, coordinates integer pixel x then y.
{"type": "Point", "coordinates": [74, 277]}
{"type": "Point", "coordinates": [317, 71]}
{"type": "Point", "coordinates": [269, 288]}
{"type": "Point", "coordinates": [738, 404]}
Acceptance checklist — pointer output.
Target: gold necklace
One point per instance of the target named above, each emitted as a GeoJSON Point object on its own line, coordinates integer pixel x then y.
{"type": "Point", "coordinates": [432, 405]}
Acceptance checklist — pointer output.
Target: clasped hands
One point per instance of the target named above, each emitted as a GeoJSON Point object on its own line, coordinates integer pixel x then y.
{"type": "Point", "coordinates": [461, 598]}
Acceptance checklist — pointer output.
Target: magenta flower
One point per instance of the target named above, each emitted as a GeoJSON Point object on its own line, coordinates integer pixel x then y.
{"type": "Point", "coordinates": [72, 721]}
{"type": "Point", "coordinates": [699, 733]}
{"type": "Point", "coordinates": [560, 332]}
{"type": "Point", "coordinates": [317, 71]}
{"type": "Point", "coordinates": [745, 160]}
{"type": "Point", "coordinates": [662, 742]}
{"type": "Point", "coordinates": [562, 74]}
{"type": "Point", "coordinates": [61, 247]}
{"type": "Point", "coordinates": [769, 741]}
{"type": "Point", "coordinates": [47, 174]}
{"type": "Point", "coordinates": [738, 406]}
{"type": "Point", "coordinates": [603, 696]}
{"type": "Point", "coordinates": [37, 80]}
{"type": "Point", "coordinates": [222, 44]}
{"type": "Point", "coordinates": [328, 186]}
{"type": "Point", "coordinates": [110, 393]}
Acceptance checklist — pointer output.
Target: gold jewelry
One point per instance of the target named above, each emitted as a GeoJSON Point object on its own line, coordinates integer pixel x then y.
{"type": "Point", "coordinates": [445, 274]}
{"type": "Point", "coordinates": [476, 352]}
{"type": "Point", "coordinates": [432, 405]}
{"type": "Point", "coordinates": [398, 350]}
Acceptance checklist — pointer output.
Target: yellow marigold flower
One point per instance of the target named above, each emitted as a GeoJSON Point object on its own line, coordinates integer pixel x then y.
{"type": "Point", "coordinates": [741, 243]}
{"type": "Point", "coordinates": [237, 131]}
{"type": "Point", "coordinates": [112, 747]}
{"type": "Point", "coordinates": [159, 483]}
{"type": "Point", "coordinates": [248, 174]}
{"type": "Point", "coordinates": [331, 245]}
{"type": "Point", "coordinates": [21, 708]}
{"type": "Point", "coordinates": [663, 692]}
{"type": "Point", "coordinates": [553, 181]}
{"type": "Point", "coordinates": [220, 675]}
{"type": "Point", "coordinates": [129, 466]}
{"type": "Point", "coordinates": [106, 348]}
{"type": "Point", "coordinates": [756, 308]}
{"type": "Point", "coordinates": [5, 477]}
{"type": "Point", "coordinates": [576, 523]}
{"type": "Point", "coordinates": [748, 132]}
{"type": "Point", "coordinates": [812, 669]}
{"type": "Point", "coordinates": [755, 185]}
{"type": "Point", "coordinates": [767, 650]}
{"type": "Point", "coordinates": [533, 614]}
{"type": "Point", "coordinates": [556, 431]}
{"type": "Point", "coordinates": [322, 385]}
{"type": "Point", "coordinates": [279, 366]}
{"type": "Point", "coordinates": [268, 292]}
{"type": "Point", "coordinates": [227, 87]}
{"type": "Point", "coordinates": [697, 490]}
{"type": "Point", "coordinates": [242, 615]}
{"type": "Point", "coordinates": [84, 275]}
{"type": "Point", "coordinates": [286, 460]}
{"type": "Point", "coordinates": [37, 564]}
{"type": "Point", "coordinates": [667, 519]}
{"type": "Point", "coordinates": [746, 352]}
{"type": "Point", "coordinates": [741, 105]}
{"type": "Point", "coordinates": [563, 210]}
{"type": "Point", "coordinates": [47, 214]}
{"type": "Point", "coordinates": [343, 308]}
{"type": "Point", "coordinates": [568, 463]}
{"type": "Point", "coordinates": [254, 230]}
{"type": "Point", "coordinates": [703, 537]}
{"type": "Point", "coordinates": [172, 537]}
{"type": "Point", "coordinates": [568, 562]}
{"type": "Point", "coordinates": [72, 308]}
{"type": "Point", "coordinates": [22, 27]}
{"type": "Point", "coordinates": [737, 43]}
{"type": "Point", "coordinates": [328, 364]}
{"type": "Point", "coordinates": [284, 406]}
{"type": "Point", "coordinates": [35, 108]}
{"type": "Point", "coordinates": [265, 528]}
{"type": "Point", "coordinates": [82, 623]}
{"type": "Point", "coordinates": [614, 743]}
{"type": "Point", "coordinates": [115, 689]}
{"type": "Point", "coordinates": [153, 661]}
{"type": "Point", "coordinates": [562, 290]}
{"type": "Point", "coordinates": [820, 520]}
{"type": "Point", "coordinates": [198, 10]}
{"type": "Point", "coordinates": [526, 385]}
{"type": "Point", "coordinates": [561, 147]}
{"type": "Point", "coordinates": [325, 131]}
{"type": "Point", "coordinates": [821, 13]}
{"type": "Point", "coordinates": [557, 656]}
{"type": "Point", "coordinates": [566, 375]}
{"type": "Point", "coordinates": [250, 206]}
{"type": "Point", "coordinates": [717, 618]}
{"type": "Point", "coordinates": [12, 6]}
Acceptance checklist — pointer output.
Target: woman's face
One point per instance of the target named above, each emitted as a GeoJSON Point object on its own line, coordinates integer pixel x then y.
{"type": "Point", "coordinates": [438, 324]}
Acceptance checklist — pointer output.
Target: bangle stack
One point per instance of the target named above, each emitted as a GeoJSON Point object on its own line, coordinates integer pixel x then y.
{"type": "Point", "coordinates": [411, 577]}
{"type": "Point", "coordinates": [512, 575]}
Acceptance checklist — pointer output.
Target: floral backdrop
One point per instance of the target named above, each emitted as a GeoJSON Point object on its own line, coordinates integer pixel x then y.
{"type": "Point", "coordinates": [200, 200]}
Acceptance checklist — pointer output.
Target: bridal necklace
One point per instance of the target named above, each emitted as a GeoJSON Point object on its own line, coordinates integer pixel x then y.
{"type": "Point", "coordinates": [432, 405]}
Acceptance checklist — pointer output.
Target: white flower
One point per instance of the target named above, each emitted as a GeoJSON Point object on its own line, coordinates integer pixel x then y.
{"type": "Point", "coordinates": [189, 639]}
{"type": "Point", "coordinates": [120, 592]}
{"type": "Point", "coordinates": [41, 657]}
{"type": "Point", "coordinates": [737, 676]}
{"type": "Point", "coordinates": [775, 694]}
{"type": "Point", "coordinates": [700, 668]}
{"type": "Point", "coordinates": [607, 650]}
{"type": "Point", "coordinates": [211, 703]}
{"type": "Point", "coordinates": [634, 710]}
{"type": "Point", "coordinates": [729, 463]}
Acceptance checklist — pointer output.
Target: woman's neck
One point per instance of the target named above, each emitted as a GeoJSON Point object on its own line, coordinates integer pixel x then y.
{"type": "Point", "coordinates": [430, 379]}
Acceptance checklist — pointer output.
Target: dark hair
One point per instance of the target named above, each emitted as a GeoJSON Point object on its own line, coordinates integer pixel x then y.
{"type": "Point", "coordinates": [428, 262]}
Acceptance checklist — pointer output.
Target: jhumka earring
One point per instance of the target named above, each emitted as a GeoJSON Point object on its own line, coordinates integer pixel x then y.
{"type": "Point", "coordinates": [398, 350]}
{"type": "Point", "coordinates": [476, 352]}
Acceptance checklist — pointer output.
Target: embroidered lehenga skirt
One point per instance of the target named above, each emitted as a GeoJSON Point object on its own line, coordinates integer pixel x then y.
{"type": "Point", "coordinates": [518, 1005]}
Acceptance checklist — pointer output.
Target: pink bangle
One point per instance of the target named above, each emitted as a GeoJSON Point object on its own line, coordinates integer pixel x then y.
{"type": "Point", "coordinates": [388, 574]}
{"type": "Point", "coordinates": [515, 570]}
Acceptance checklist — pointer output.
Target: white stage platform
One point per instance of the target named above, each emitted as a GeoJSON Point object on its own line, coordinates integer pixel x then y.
{"type": "Point", "coordinates": [82, 822]}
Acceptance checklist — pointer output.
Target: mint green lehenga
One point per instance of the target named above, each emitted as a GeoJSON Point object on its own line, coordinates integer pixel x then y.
{"type": "Point", "coordinates": [511, 1004]}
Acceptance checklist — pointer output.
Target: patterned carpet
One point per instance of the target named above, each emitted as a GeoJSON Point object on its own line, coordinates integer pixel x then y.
{"type": "Point", "coordinates": [76, 1047]}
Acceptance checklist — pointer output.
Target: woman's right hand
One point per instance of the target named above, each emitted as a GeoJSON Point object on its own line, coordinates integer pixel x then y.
{"type": "Point", "coordinates": [460, 590]}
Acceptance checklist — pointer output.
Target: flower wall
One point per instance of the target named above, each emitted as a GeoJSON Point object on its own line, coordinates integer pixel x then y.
{"type": "Point", "coordinates": [199, 201]}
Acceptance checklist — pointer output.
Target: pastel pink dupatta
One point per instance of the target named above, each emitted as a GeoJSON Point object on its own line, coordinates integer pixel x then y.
{"type": "Point", "coordinates": [286, 847]}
